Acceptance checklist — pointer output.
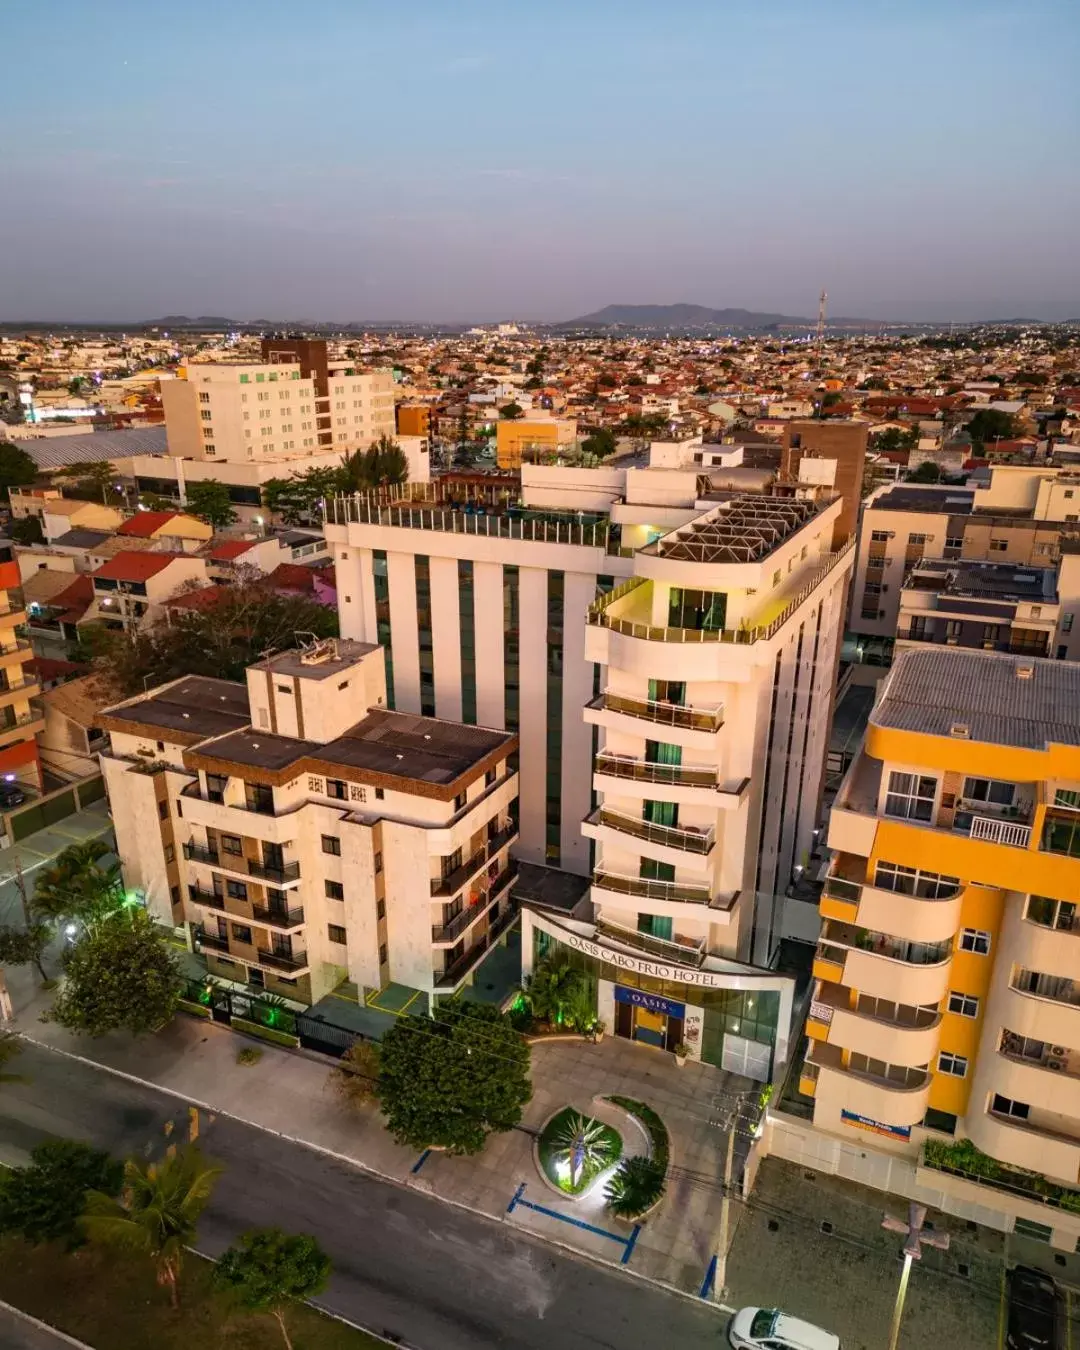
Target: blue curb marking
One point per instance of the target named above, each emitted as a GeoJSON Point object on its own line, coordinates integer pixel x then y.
{"type": "Point", "coordinates": [627, 1243]}
{"type": "Point", "coordinates": [709, 1280]}
{"type": "Point", "coordinates": [420, 1161]}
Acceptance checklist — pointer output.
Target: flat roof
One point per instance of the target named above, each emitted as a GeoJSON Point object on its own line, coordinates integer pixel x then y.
{"type": "Point", "coordinates": [985, 580]}
{"type": "Point", "coordinates": [408, 746]}
{"type": "Point", "coordinates": [744, 528]}
{"type": "Point", "coordinates": [333, 656]}
{"type": "Point", "coordinates": [198, 706]}
{"type": "Point", "coordinates": [948, 501]}
{"type": "Point", "coordinates": [934, 690]}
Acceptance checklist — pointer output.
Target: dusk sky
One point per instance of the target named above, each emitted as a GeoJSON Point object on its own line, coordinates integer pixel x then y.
{"type": "Point", "coordinates": [457, 160]}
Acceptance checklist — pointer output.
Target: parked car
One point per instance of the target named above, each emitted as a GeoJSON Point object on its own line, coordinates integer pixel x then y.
{"type": "Point", "coordinates": [11, 794]}
{"type": "Point", "coordinates": [1036, 1311]}
{"type": "Point", "coordinates": [771, 1329]}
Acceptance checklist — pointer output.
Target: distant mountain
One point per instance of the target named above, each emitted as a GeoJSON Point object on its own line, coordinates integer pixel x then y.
{"type": "Point", "coordinates": [655, 317]}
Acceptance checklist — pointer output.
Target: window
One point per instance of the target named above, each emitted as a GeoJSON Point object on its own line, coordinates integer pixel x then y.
{"type": "Point", "coordinates": [1037, 1232]}
{"type": "Point", "coordinates": [237, 890]}
{"type": "Point", "coordinates": [975, 940]}
{"type": "Point", "coordinates": [384, 955]}
{"type": "Point", "coordinates": [337, 789]}
{"type": "Point", "coordinates": [1005, 1106]}
{"type": "Point", "coordinates": [879, 536]}
{"type": "Point", "coordinates": [335, 933]}
{"type": "Point", "coordinates": [162, 810]}
{"type": "Point", "coordinates": [331, 844]}
{"type": "Point", "coordinates": [334, 890]}
{"type": "Point", "coordinates": [205, 415]}
{"type": "Point", "coordinates": [459, 801]}
{"type": "Point", "coordinates": [1050, 913]}
{"type": "Point", "coordinates": [314, 784]}
{"type": "Point", "coordinates": [1066, 623]}
{"type": "Point", "coordinates": [988, 790]}
{"type": "Point", "coordinates": [998, 545]}
{"type": "Point", "coordinates": [170, 852]}
{"type": "Point", "coordinates": [910, 796]}
{"type": "Point", "coordinates": [358, 794]}
{"type": "Point", "coordinates": [174, 894]}
{"type": "Point", "coordinates": [210, 449]}
{"type": "Point", "coordinates": [379, 794]}
{"type": "Point", "coordinates": [378, 863]}
{"type": "Point", "coordinates": [380, 909]}
{"type": "Point", "coordinates": [964, 1005]}
{"type": "Point", "coordinates": [954, 541]}
{"type": "Point", "coordinates": [954, 1065]}
{"type": "Point", "coordinates": [204, 398]}
{"type": "Point", "coordinates": [232, 843]}
{"type": "Point", "coordinates": [241, 933]}
{"type": "Point", "coordinates": [491, 777]}
{"type": "Point", "coordinates": [917, 540]}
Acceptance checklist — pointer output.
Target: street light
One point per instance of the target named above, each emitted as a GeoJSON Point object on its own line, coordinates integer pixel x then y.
{"type": "Point", "coordinates": [916, 1236]}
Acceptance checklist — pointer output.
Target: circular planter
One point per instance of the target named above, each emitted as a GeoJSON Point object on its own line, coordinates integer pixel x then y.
{"type": "Point", "coordinates": [594, 1180]}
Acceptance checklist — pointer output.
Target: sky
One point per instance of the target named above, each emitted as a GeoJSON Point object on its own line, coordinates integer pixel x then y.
{"type": "Point", "coordinates": [476, 160]}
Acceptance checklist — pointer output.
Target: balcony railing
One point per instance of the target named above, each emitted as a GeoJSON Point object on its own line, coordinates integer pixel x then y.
{"type": "Point", "coordinates": [496, 521]}
{"type": "Point", "coordinates": [281, 960]}
{"type": "Point", "coordinates": [263, 806]}
{"type": "Point", "coordinates": [213, 940]}
{"type": "Point", "coordinates": [646, 771]}
{"type": "Point", "coordinates": [998, 831]}
{"type": "Point", "coordinates": [697, 718]}
{"type": "Point", "coordinates": [837, 888]}
{"type": "Point", "coordinates": [198, 853]}
{"type": "Point", "coordinates": [290, 871]}
{"type": "Point", "coordinates": [462, 922]}
{"type": "Point", "coordinates": [845, 937]}
{"type": "Point", "coordinates": [452, 975]}
{"type": "Point", "coordinates": [202, 895]}
{"type": "Point", "coordinates": [688, 841]}
{"type": "Point", "coordinates": [646, 888]}
{"type": "Point", "coordinates": [236, 862]}
{"type": "Point", "coordinates": [687, 952]}
{"type": "Point", "coordinates": [1053, 988]}
{"type": "Point", "coordinates": [276, 917]}
{"type": "Point", "coordinates": [453, 881]}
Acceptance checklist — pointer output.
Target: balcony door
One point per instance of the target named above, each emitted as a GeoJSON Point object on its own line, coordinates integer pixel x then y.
{"type": "Point", "coordinates": [659, 752]}
{"type": "Point", "coordinates": [667, 691]}
{"type": "Point", "coordinates": [662, 813]}
{"type": "Point", "coordinates": [655, 925]}
{"type": "Point", "coordinates": [274, 856]}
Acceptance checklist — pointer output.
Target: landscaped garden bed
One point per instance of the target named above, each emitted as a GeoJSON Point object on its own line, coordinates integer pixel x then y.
{"type": "Point", "coordinates": [637, 1185]}
{"type": "Point", "coordinates": [963, 1159]}
{"type": "Point", "coordinates": [573, 1149]}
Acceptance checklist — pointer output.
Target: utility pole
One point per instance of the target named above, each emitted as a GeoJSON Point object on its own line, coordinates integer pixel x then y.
{"type": "Point", "coordinates": [725, 1209]}
{"type": "Point", "coordinates": [822, 303]}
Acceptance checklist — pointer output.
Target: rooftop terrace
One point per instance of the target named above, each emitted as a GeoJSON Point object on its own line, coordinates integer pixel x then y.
{"type": "Point", "coordinates": [985, 581]}
{"type": "Point", "coordinates": [744, 528]}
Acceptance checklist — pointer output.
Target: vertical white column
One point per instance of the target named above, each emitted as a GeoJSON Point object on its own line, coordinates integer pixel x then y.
{"type": "Point", "coordinates": [352, 619]}
{"type": "Point", "coordinates": [446, 636]}
{"type": "Point", "coordinates": [532, 605]}
{"type": "Point", "coordinates": [401, 574]}
{"type": "Point", "coordinates": [488, 622]}
{"type": "Point", "coordinates": [579, 591]}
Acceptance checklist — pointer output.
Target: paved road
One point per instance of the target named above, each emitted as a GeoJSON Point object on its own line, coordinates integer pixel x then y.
{"type": "Point", "coordinates": [412, 1267]}
{"type": "Point", "coordinates": [17, 1333]}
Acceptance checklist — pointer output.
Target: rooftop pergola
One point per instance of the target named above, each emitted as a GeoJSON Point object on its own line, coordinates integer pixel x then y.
{"type": "Point", "coordinates": [744, 529]}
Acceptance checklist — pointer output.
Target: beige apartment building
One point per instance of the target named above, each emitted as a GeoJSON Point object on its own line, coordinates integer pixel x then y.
{"type": "Point", "coordinates": [305, 836]}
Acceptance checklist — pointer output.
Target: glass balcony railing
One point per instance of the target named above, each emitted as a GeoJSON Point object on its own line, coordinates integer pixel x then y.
{"type": "Point", "coordinates": [647, 771]}
{"type": "Point", "coordinates": [671, 836]}
{"type": "Point", "coordinates": [648, 888]}
{"type": "Point", "coordinates": [697, 718]}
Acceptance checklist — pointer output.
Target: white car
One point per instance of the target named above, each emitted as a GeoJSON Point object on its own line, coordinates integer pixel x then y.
{"type": "Point", "coordinates": [771, 1329]}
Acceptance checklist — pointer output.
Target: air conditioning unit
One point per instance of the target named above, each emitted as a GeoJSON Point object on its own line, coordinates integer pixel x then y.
{"type": "Point", "coordinates": [1058, 1051]}
{"type": "Point", "coordinates": [1056, 1064]}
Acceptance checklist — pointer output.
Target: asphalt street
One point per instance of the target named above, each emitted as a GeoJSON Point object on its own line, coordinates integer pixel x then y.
{"type": "Point", "coordinates": [405, 1265]}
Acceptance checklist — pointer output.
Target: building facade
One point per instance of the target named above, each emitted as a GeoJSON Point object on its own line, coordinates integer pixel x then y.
{"type": "Point", "coordinates": [21, 716]}
{"type": "Point", "coordinates": [306, 837]}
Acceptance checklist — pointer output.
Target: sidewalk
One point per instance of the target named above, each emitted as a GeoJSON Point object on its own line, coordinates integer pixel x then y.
{"type": "Point", "coordinates": [291, 1093]}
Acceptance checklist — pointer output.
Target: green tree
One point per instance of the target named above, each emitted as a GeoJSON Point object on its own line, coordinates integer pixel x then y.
{"type": "Point", "coordinates": [248, 619]}
{"type": "Point", "coordinates": [27, 530]}
{"type": "Point", "coordinates": [449, 1079]}
{"type": "Point", "coordinates": [210, 501]}
{"type": "Point", "coordinates": [153, 501]}
{"type": "Point", "coordinates": [157, 1213]}
{"type": "Point", "coordinates": [76, 889]}
{"type": "Point", "coordinates": [96, 478]}
{"type": "Point", "coordinates": [17, 469]}
{"type": "Point", "coordinates": [896, 438]}
{"type": "Point", "coordinates": [297, 498]}
{"type": "Point", "coordinates": [356, 1075]}
{"type": "Point", "coordinates": [380, 465]}
{"type": "Point", "coordinates": [44, 1202]}
{"type": "Point", "coordinates": [553, 987]}
{"type": "Point", "coordinates": [269, 1271]}
{"type": "Point", "coordinates": [25, 946]}
{"type": "Point", "coordinates": [991, 424]}
{"type": "Point", "coordinates": [120, 976]}
{"type": "Point", "coordinates": [510, 412]}
{"type": "Point", "coordinates": [10, 1046]}
{"type": "Point", "coordinates": [927, 472]}
{"type": "Point", "coordinates": [600, 443]}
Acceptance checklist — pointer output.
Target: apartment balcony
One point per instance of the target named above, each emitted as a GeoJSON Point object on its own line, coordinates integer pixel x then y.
{"type": "Point", "coordinates": [452, 882]}
{"type": "Point", "coordinates": [452, 976]}
{"type": "Point", "coordinates": [292, 963]}
{"type": "Point", "coordinates": [1038, 1072]}
{"type": "Point", "coordinates": [280, 876]}
{"type": "Point", "coordinates": [1052, 947]}
{"type": "Point", "coordinates": [882, 966]}
{"type": "Point", "coordinates": [1031, 1145]}
{"type": "Point", "coordinates": [611, 888]}
{"type": "Point", "coordinates": [21, 727]}
{"type": "Point", "coordinates": [681, 846]}
{"type": "Point", "coordinates": [238, 817]}
{"type": "Point", "coordinates": [203, 895]}
{"type": "Point", "coordinates": [898, 1033]}
{"type": "Point", "coordinates": [681, 951]}
{"type": "Point", "coordinates": [447, 934]}
{"type": "Point", "coordinates": [214, 941]}
{"type": "Point", "coordinates": [274, 916]}
{"type": "Point", "coordinates": [1043, 1007]}
{"type": "Point", "coordinates": [869, 1087]}
{"type": "Point", "coordinates": [914, 918]}
{"type": "Point", "coordinates": [19, 693]}
{"type": "Point", "coordinates": [15, 653]}
{"type": "Point", "coordinates": [241, 866]}
{"type": "Point", "coordinates": [692, 727]}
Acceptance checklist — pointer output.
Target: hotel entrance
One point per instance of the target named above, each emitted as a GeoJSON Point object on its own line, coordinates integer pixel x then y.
{"type": "Point", "coordinates": [648, 1018]}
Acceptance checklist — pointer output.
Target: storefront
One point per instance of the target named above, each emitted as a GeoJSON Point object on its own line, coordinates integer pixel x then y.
{"type": "Point", "coordinates": [736, 1017]}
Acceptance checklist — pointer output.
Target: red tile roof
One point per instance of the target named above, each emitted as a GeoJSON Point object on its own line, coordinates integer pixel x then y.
{"type": "Point", "coordinates": [129, 566]}
{"type": "Point", "coordinates": [292, 577]}
{"type": "Point", "coordinates": [74, 600]}
{"type": "Point", "coordinates": [206, 597]}
{"type": "Point", "coordinates": [145, 524]}
{"type": "Point", "coordinates": [232, 549]}
{"type": "Point", "coordinates": [48, 668]}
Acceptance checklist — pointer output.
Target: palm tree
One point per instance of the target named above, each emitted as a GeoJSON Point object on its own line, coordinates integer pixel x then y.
{"type": "Point", "coordinates": [157, 1213]}
{"type": "Point", "coordinates": [553, 986]}
{"type": "Point", "coordinates": [76, 889]}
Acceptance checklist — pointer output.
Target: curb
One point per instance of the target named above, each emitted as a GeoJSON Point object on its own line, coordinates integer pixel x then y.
{"type": "Point", "coordinates": [365, 1167]}
{"type": "Point", "coordinates": [47, 1327]}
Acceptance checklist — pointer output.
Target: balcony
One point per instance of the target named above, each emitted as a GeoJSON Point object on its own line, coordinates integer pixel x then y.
{"type": "Point", "coordinates": [697, 841]}
{"type": "Point", "coordinates": [1036, 1071]}
{"type": "Point", "coordinates": [425, 506]}
{"type": "Point", "coordinates": [646, 888]}
{"type": "Point", "coordinates": [899, 1033]}
{"type": "Point", "coordinates": [214, 941]}
{"type": "Point", "coordinates": [696, 718]}
{"type": "Point", "coordinates": [646, 771]}
{"type": "Point", "coordinates": [452, 975]}
{"type": "Point", "coordinates": [202, 895]}
{"type": "Point", "coordinates": [243, 866]}
{"type": "Point", "coordinates": [275, 916]}
{"type": "Point", "coordinates": [994, 829]}
{"type": "Point", "coordinates": [883, 966]}
{"type": "Point", "coordinates": [926, 913]}
{"type": "Point", "coordinates": [287, 961]}
{"type": "Point", "coordinates": [895, 1094]}
{"type": "Point", "coordinates": [1043, 1007]}
{"type": "Point", "coordinates": [449, 932]}
{"type": "Point", "coordinates": [281, 875]}
{"type": "Point", "coordinates": [682, 951]}
{"type": "Point", "coordinates": [453, 881]}
{"type": "Point", "coordinates": [199, 853]}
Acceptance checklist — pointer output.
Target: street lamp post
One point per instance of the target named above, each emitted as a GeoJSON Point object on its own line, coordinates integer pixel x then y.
{"type": "Point", "coordinates": [917, 1236]}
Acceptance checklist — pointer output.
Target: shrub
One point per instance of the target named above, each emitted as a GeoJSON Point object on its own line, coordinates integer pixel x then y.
{"type": "Point", "coordinates": [251, 1054]}
{"type": "Point", "coordinates": [654, 1126]}
{"type": "Point", "coordinates": [635, 1186]}
{"type": "Point", "coordinates": [356, 1076]}
{"type": "Point", "coordinates": [568, 1136]}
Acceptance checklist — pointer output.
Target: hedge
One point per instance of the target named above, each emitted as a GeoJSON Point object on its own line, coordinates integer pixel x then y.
{"type": "Point", "coordinates": [265, 1033]}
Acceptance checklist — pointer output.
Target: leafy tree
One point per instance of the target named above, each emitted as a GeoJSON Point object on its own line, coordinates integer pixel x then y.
{"type": "Point", "coordinates": [875, 382]}
{"type": "Point", "coordinates": [534, 382]}
{"type": "Point", "coordinates": [17, 469]}
{"type": "Point", "coordinates": [896, 438]}
{"type": "Point", "coordinates": [9, 1048]}
{"type": "Point", "coordinates": [297, 497]}
{"type": "Point", "coordinates": [991, 424]}
{"type": "Point", "coordinates": [831, 399]}
{"type": "Point", "coordinates": [75, 889]}
{"type": "Point", "coordinates": [449, 1079]}
{"type": "Point", "coordinates": [600, 443]}
{"type": "Point", "coordinates": [248, 619]}
{"type": "Point", "coordinates": [927, 472]}
{"type": "Point", "coordinates": [380, 465]}
{"type": "Point", "coordinates": [552, 988]}
{"type": "Point", "coordinates": [356, 1074]}
{"type": "Point", "coordinates": [157, 1213]}
{"type": "Point", "coordinates": [26, 530]}
{"type": "Point", "coordinates": [153, 501]}
{"type": "Point", "coordinates": [94, 479]}
{"type": "Point", "coordinates": [270, 1270]}
{"type": "Point", "coordinates": [210, 501]}
{"type": "Point", "coordinates": [120, 976]}
{"type": "Point", "coordinates": [510, 412]}
{"type": "Point", "coordinates": [25, 946]}
{"type": "Point", "coordinates": [44, 1202]}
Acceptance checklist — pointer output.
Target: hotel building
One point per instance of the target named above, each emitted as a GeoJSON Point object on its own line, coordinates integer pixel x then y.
{"type": "Point", "coordinates": [305, 836]}
{"type": "Point", "coordinates": [947, 994]}
{"type": "Point", "coordinates": [21, 716]}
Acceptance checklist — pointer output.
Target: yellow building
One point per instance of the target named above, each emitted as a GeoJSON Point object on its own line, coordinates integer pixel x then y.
{"type": "Point", "coordinates": [530, 439]}
{"type": "Point", "coordinates": [947, 976]}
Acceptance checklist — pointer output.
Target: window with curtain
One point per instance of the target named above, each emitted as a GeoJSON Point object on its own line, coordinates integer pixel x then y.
{"type": "Point", "coordinates": [655, 926]}
{"type": "Point", "coordinates": [662, 813]}
{"type": "Point", "coordinates": [658, 752]}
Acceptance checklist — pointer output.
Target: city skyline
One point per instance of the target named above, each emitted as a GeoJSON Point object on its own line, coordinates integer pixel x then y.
{"type": "Point", "coordinates": [487, 165]}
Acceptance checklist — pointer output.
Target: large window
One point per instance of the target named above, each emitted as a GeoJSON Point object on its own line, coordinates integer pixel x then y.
{"type": "Point", "coordinates": [555, 593]}
{"type": "Point", "coordinates": [910, 796]}
{"type": "Point", "coordinates": [511, 648]}
{"type": "Point", "coordinates": [382, 617]}
{"type": "Point", "coordinates": [423, 624]}
{"type": "Point", "coordinates": [910, 881]}
{"type": "Point", "coordinates": [989, 790]}
{"type": "Point", "coordinates": [467, 628]}
{"type": "Point", "coordinates": [1050, 913]}
{"type": "Point", "coordinates": [700, 610]}
{"type": "Point", "coordinates": [1061, 836]}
